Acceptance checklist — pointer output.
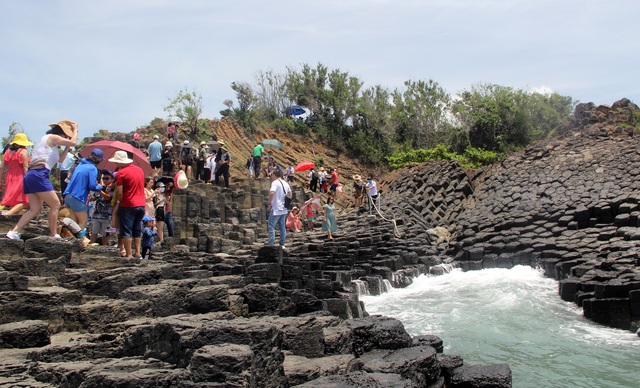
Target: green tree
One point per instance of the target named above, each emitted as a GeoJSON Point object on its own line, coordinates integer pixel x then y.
{"type": "Point", "coordinates": [271, 94]}
{"type": "Point", "coordinates": [187, 106]}
{"type": "Point", "coordinates": [503, 119]}
{"type": "Point", "coordinates": [420, 113]}
{"type": "Point", "coordinates": [244, 114]}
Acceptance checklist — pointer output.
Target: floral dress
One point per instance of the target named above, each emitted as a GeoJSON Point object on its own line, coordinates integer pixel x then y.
{"type": "Point", "coordinates": [13, 194]}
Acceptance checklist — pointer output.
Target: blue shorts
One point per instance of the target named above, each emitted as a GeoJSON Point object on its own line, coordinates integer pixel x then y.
{"type": "Point", "coordinates": [75, 204]}
{"type": "Point", "coordinates": [131, 221]}
{"type": "Point", "coordinates": [37, 181]}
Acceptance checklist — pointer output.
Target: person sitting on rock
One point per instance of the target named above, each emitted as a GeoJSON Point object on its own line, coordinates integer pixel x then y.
{"type": "Point", "coordinates": [293, 222]}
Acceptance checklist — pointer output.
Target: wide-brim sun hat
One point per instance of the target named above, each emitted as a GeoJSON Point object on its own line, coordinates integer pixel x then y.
{"type": "Point", "coordinates": [180, 180]}
{"type": "Point", "coordinates": [168, 144]}
{"type": "Point", "coordinates": [21, 139]}
{"type": "Point", "coordinates": [66, 125]}
{"type": "Point", "coordinates": [121, 157]}
{"type": "Point", "coordinates": [357, 177]}
{"type": "Point", "coordinates": [186, 142]}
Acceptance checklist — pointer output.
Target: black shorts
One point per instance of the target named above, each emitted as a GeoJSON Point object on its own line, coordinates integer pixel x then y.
{"type": "Point", "coordinates": [160, 214]}
{"type": "Point", "coordinates": [156, 163]}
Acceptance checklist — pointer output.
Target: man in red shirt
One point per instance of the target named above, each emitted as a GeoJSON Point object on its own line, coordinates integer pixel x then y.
{"type": "Point", "coordinates": [334, 179]}
{"type": "Point", "coordinates": [130, 202]}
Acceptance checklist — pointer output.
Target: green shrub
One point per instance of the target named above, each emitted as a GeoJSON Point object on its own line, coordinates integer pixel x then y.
{"type": "Point", "coordinates": [471, 158]}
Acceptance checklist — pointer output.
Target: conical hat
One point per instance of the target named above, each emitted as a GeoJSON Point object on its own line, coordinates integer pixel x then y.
{"type": "Point", "coordinates": [180, 180]}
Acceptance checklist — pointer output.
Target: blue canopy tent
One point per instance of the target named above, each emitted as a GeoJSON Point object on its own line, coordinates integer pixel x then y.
{"type": "Point", "coordinates": [295, 110]}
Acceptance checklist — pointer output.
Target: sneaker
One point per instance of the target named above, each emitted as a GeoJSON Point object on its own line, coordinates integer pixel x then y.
{"type": "Point", "coordinates": [56, 236]}
{"type": "Point", "coordinates": [110, 229]}
{"type": "Point", "coordinates": [83, 233]}
{"type": "Point", "coordinates": [13, 235]}
{"type": "Point", "coordinates": [283, 247]}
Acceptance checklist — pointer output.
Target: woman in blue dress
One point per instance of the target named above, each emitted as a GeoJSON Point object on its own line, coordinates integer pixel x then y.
{"type": "Point", "coordinates": [329, 222]}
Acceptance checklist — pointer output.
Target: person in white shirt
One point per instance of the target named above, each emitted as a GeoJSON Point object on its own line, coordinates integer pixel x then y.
{"type": "Point", "coordinates": [277, 210]}
{"type": "Point", "coordinates": [289, 173]}
{"type": "Point", "coordinates": [372, 191]}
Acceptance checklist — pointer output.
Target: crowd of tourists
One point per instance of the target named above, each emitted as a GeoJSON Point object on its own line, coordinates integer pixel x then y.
{"type": "Point", "coordinates": [135, 208]}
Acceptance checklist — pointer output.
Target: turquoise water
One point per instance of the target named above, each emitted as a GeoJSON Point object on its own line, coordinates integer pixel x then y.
{"type": "Point", "coordinates": [516, 317]}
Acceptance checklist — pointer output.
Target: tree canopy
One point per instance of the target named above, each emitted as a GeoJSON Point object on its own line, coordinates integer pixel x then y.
{"type": "Point", "coordinates": [374, 122]}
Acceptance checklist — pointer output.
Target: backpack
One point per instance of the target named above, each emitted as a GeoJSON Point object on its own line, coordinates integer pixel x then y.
{"type": "Point", "coordinates": [187, 155]}
{"type": "Point", "coordinates": [314, 176]}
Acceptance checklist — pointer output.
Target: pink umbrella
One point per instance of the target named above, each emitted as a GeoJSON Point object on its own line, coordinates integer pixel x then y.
{"type": "Point", "coordinates": [109, 147]}
{"type": "Point", "coordinates": [313, 203]}
{"type": "Point", "coordinates": [304, 166]}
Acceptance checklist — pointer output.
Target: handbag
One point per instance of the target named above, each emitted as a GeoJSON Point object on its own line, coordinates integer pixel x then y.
{"type": "Point", "coordinates": [287, 199]}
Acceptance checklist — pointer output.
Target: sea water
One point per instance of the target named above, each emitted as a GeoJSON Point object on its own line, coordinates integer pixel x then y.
{"type": "Point", "coordinates": [516, 317]}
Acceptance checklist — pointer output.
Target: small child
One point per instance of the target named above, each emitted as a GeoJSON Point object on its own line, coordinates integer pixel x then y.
{"type": "Point", "coordinates": [309, 216]}
{"type": "Point", "coordinates": [148, 234]}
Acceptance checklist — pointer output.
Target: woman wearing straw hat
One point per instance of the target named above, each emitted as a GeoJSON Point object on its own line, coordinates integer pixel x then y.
{"type": "Point", "coordinates": [36, 181]}
{"type": "Point", "coordinates": [16, 161]}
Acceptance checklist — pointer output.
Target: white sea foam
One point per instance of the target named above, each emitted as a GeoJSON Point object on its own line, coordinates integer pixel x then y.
{"type": "Point", "coordinates": [514, 316]}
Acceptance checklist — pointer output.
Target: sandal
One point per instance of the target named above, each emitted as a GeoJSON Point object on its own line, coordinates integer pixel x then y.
{"type": "Point", "coordinates": [123, 253]}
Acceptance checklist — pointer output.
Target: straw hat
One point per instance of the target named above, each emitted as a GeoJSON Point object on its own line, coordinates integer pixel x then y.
{"type": "Point", "coordinates": [22, 140]}
{"type": "Point", "coordinates": [66, 125]}
{"type": "Point", "coordinates": [203, 143]}
{"type": "Point", "coordinates": [180, 180]}
{"type": "Point", "coordinates": [121, 157]}
{"type": "Point", "coordinates": [357, 177]}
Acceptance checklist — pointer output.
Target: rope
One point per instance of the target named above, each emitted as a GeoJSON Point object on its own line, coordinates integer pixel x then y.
{"type": "Point", "coordinates": [396, 232]}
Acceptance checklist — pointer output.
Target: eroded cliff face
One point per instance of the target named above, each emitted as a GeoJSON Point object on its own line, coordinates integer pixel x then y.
{"type": "Point", "coordinates": [570, 205]}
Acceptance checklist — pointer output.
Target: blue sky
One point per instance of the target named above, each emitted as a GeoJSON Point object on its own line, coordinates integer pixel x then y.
{"type": "Point", "coordinates": [115, 64]}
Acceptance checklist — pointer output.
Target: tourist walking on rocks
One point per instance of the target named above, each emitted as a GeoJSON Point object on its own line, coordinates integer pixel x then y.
{"type": "Point", "coordinates": [277, 210]}
{"type": "Point", "coordinates": [83, 180]}
{"type": "Point", "coordinates": [167, 159]}
{"type": "Point", "coordinates": [334, 180]}
{"type": "Point", "coordinates": [16, 162]}
{"type": "Point", "coordinates": [101, 221]}
{"type": "Point", "coordinates": [168, 218]}
{"type": "Point", "coordinates": [160, 207]}
{"type": "Point", "coordinates": [313, 180]}
{"type": "Point", "coordinates": [130, 202]}
{"type": "Point", "coordinates": [36, 181]}
{"type": "Point", "coordinates": [155, 154]}
{"type": "Point", "coordinates": [289, 173]}
{"type": "Point", "coordinates": [358, 191]}
{"type": "Point", "coordinates": [148, 234]}
{"type": "Point", "coordinates": [201, 160]}
{"type": "Point", "coordinates": [222, 167]}
{"type": "Point", "coordinates": [329, 219]}
{"type": "Point", "coordinates": [372, 192]}
{"type": "Point", "coordinates": [249, 166]}
{"type": "Point", "coordinates": [172, 134]}
{"type": "Point", "coordinates": [258, 150]}
{"type": "Point", "coordinates": [149, 196]}
{"type": "Point", "coordinates": [64, 166]}
{"type": "Point", "coordinates": [188, 154]}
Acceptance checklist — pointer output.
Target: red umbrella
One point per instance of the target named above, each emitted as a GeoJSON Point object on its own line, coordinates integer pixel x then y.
{"type": "Point", "coordinates": [304, 166]}
{"type": "Point", "coordinates": [109, 147]}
